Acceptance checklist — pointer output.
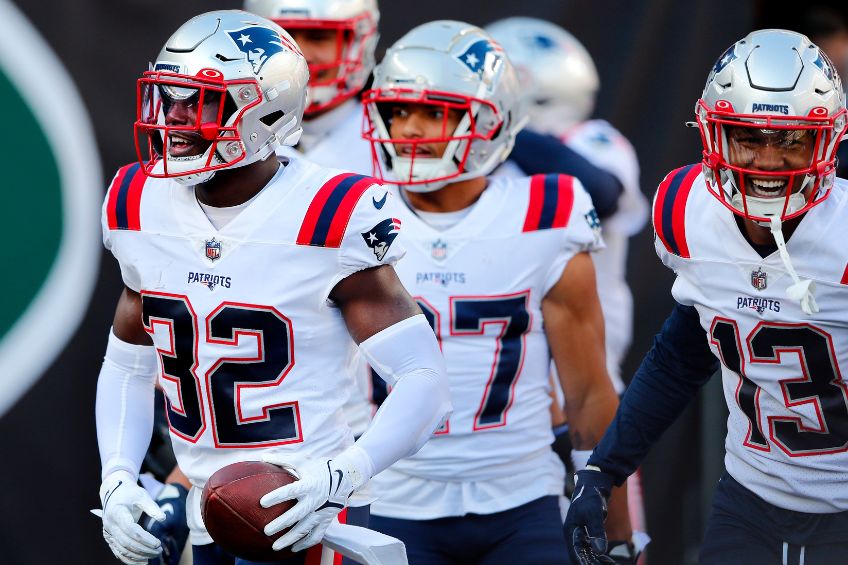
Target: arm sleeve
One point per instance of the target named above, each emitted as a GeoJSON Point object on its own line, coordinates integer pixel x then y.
{"type": "Point", "coordinates": [669, 377]}
{"type": "Point", "coordinates": [407, 356]}
{"type": "Point", "coordinates": [537, 153]}
{"type": "Point", "coordinates": [124, 409]}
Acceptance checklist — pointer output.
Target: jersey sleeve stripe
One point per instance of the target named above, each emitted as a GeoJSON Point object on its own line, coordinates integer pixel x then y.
{"type": "Point", "coordinates": [123, 207]}
{"type": "Point", "coordinates": [534, 209]}
{"type": "Point", "coordinates": [670, 208]}
{"type": "Point", "coordinates": [565, 202]}
{"type": "Point", "coordinates": [134, 200]}
{"type": "Point", "coordinates": [331, 209]}
{"type": "Point", "coordinates": [551, 200]}
{"type": "Point", "coordinates": [114, 188]}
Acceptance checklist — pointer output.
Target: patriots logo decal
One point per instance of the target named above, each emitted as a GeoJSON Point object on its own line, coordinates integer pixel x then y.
{"type": "Point", "coordinates": [380, 237]}
{"type": "Point", "coordinates": [475, 56]}
{"type": "Point", "coordinates": [258, 43]}
{"type": "Point", "coordinates": [823, 63]}
{"type": "Point", "coordinates": [542, 42]}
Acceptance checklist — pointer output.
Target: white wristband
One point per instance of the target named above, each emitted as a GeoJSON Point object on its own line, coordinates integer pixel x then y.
{"type": "Point", "coordinates": [580, 458]}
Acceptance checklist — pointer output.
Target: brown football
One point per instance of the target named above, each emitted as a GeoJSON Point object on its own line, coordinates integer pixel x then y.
{"type": "Point", "coordinates": [231, 510]}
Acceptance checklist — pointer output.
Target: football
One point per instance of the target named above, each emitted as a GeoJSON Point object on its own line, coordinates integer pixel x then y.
{"type": "Point", "coordinates": [231, 510]}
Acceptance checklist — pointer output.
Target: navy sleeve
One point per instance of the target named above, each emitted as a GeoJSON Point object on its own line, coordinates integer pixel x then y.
{"type": "Point", "coordinates": [537, 153]}
{"type": "Point", "coordinates": [678, 365]}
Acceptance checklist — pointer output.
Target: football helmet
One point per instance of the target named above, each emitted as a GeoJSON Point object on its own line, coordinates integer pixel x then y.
{"type": "Point", "coordinates": [557, 73]}
{"type": "Point", "coordinates": [224, 92]}
{"type": "Point", "coordinates": [452, 66]}
{"type": "Point", "coordinates": [355, 24]}
{"type": "Point", "coordinates": [774, 87]}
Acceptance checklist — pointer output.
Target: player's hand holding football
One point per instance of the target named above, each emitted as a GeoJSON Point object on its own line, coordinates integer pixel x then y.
{"type": "Point", "coordinates": [322, 491]}
{"type": "Point", "coordinates": [123, 502]}
{"type": "Point", "coordinates": [584, 524]}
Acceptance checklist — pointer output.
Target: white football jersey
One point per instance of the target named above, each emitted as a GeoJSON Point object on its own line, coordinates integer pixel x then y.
{"type": "Point", "coordinates": [253, 356]}
{"type": "Point", "coordinates": [481, 283]}
{"type": "Point", "coordinates": [787, 433]}
{"type": "Point", "coordinates": [605, 147]}
{"type": "Point", "coordinates": [334, 139]}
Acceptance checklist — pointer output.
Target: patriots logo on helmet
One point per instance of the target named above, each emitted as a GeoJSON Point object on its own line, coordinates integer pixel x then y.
{"type": "Point", "coordinates": [475, 56]}
{"type": "Point", "coordinates": [825, 65]}
{"type": "Point", "coordinates": [380, 237]}
{"type": "Point", "coordinates": [542, 42]}
{"type": "Point", "coordinates": [725, 59]}
{"type": "Point", "coordinates": [259, 44]}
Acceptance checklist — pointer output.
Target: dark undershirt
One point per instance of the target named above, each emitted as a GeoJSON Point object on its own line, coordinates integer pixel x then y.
{"type": "Point", "coordinates": [762, 249]}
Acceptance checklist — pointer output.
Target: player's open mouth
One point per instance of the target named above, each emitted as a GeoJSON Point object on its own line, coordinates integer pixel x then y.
{"type": "Point", "coordinates": [416, 150]}
{"type": "Point", "coordinates": [182, 145]}
{"type": "Point", "coordinates": [772, 187]}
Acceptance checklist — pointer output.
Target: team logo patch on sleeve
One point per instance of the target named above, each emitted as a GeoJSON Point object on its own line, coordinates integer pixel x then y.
{"type": "Point", "coordinates": [380, 237]}
{"type": "Point", "coordinates": [594, 223]}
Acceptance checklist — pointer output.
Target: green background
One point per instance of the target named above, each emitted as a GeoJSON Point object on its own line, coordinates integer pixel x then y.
{"type": "Point", "coordinates": [31, 212]}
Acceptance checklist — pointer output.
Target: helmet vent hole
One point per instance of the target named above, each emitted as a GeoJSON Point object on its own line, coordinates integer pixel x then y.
{"type": "Point", "coordinates": [272, 118]}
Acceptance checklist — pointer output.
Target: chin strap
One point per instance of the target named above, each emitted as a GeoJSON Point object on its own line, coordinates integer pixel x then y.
{"type": "Point", "coordinates": [801, 289]}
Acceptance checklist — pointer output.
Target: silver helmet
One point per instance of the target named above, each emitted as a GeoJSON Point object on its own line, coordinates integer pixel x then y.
{"type": "Point", "coordinates": [452, 66]}
{"type": "Point", "coordinates": [245, 79]}
{"type": "Point", "coordinates": [355, 25]}
{"type": "Point", "coordinates": [557, 74]}
{"type": "Point", "coordinates": [777, 88]}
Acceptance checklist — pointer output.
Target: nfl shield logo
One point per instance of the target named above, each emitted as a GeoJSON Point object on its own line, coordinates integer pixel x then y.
{"type": "Point", "coordinates": [439, 250]}
{"type": "Point", "coordinates": [759, 279]}
{"type": "Point", "coordinates": [213, 249]}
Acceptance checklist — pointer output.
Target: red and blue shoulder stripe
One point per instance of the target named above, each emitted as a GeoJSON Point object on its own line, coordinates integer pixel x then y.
{"type": "Point", "coordinates": [670, 208]}
{"type": "Point", "coordinates": [123, 207]}
{"type": "Point", "coordinates": [551, 200]}
{"type": "Point", "coordinates": [329, 213]}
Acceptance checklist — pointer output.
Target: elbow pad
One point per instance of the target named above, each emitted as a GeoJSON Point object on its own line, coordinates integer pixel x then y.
{"type": "Point", "coordinates": [407, 356]}
{"type": "Point", "coordinates": [124, 409]}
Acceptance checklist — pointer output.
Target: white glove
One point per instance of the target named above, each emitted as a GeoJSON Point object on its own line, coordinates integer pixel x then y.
{"type": "Point", "coordinates": [322, 491]}
{"type": "Point", "coordinates": [123, 502]}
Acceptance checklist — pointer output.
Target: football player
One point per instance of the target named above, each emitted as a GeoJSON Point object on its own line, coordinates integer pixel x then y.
{"type": "Point", "coordinates": [561, 85]}
{"type": "Point", "coordinates": [247, 279]}
{"type": "Point", "coordinates": [755, 234]}
{"type": "Point", "coordinates": [339, 39]}
{"type": "Point", "coordinates": [501, 268]}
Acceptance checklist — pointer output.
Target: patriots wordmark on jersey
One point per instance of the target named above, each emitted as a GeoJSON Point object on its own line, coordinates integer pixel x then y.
{"type": "Point", "coordinates": [787, 437]}
{"type": "Point", "coordinates": [252, 354]}
{"type": "Point", "coordinates": [481, 283]}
